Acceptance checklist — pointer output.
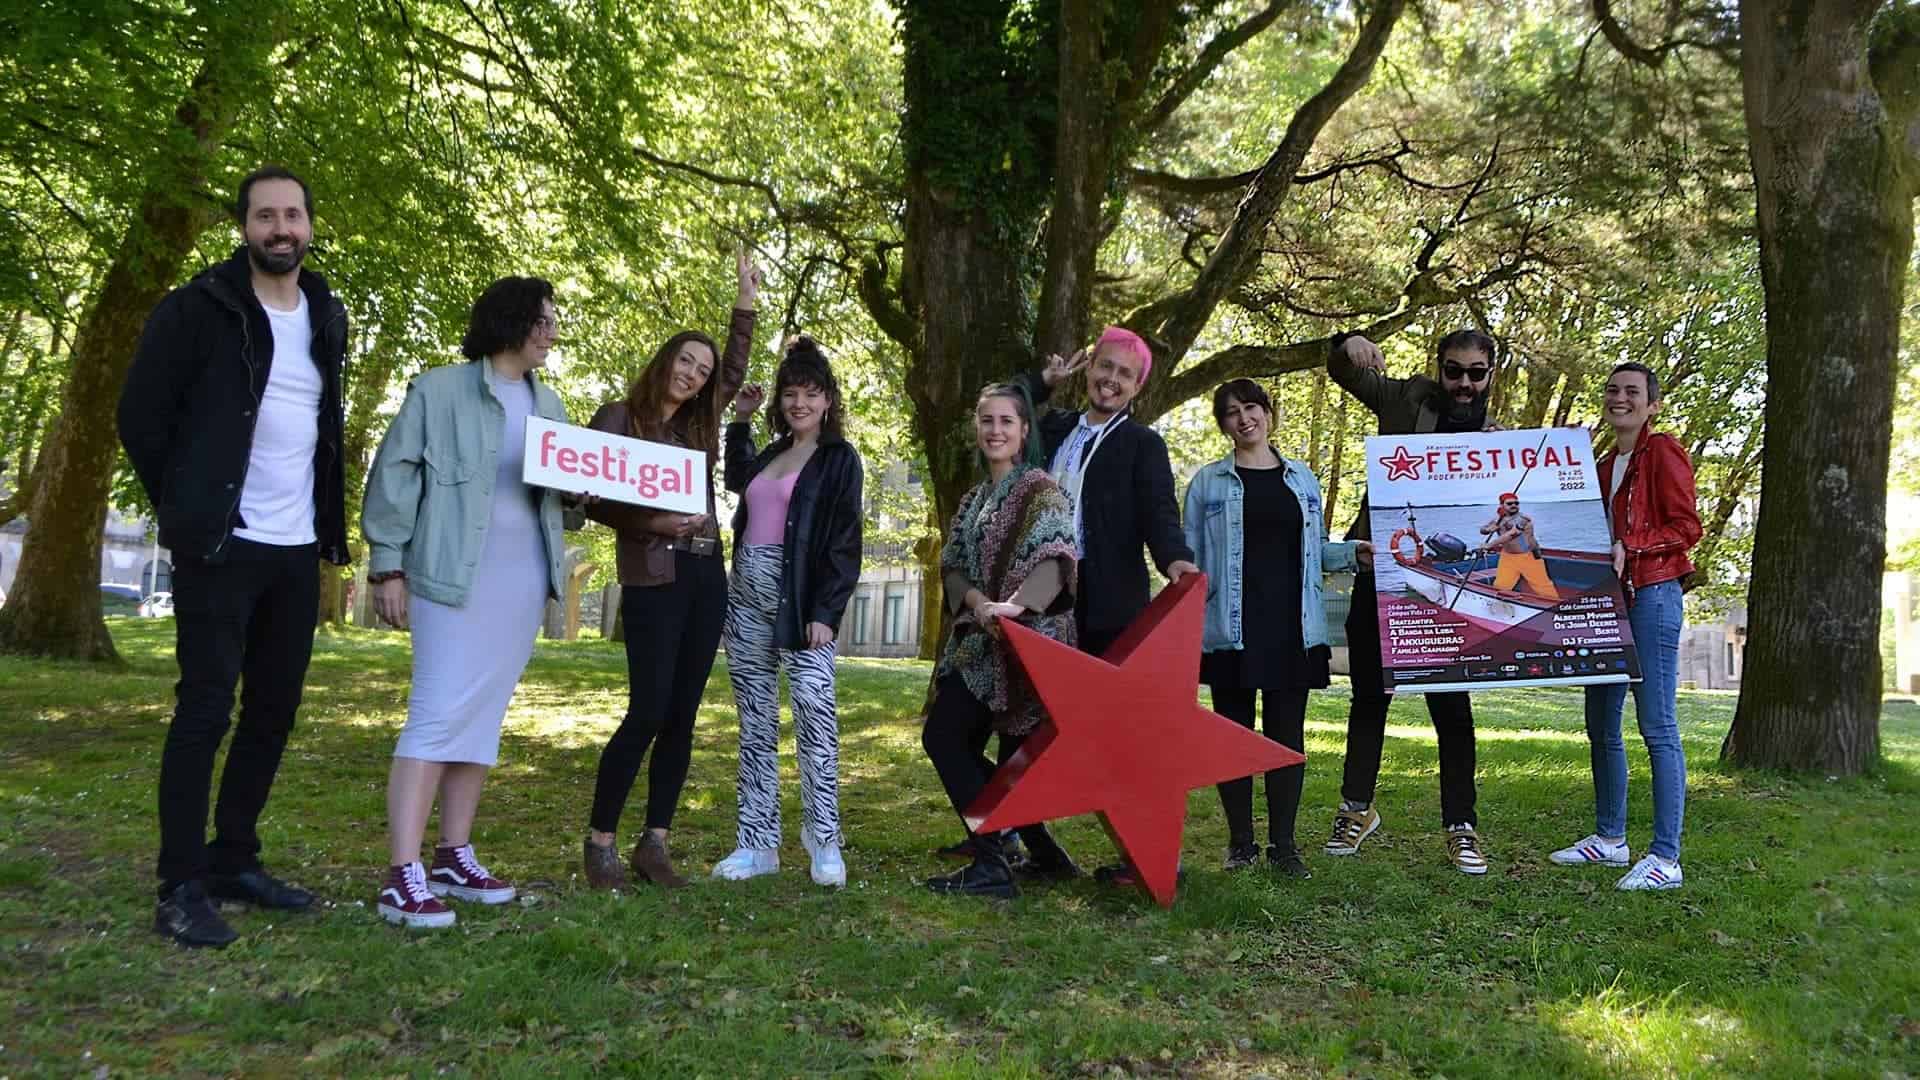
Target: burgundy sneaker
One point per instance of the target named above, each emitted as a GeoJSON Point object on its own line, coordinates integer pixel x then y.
{"type": "Point", "coordinates": [458, 874]}
{"type": "Point", "coordinates": [405, 899]}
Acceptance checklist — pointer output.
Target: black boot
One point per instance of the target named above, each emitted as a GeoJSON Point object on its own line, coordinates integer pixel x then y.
{"type": "Point", "coordinates": [987, 875]}
{"type": "Point", "coordinates": [1048, 861]}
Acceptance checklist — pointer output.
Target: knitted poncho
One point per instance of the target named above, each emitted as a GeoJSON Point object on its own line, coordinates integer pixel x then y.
{"type": "Point", "coordinates": [1001, 533]}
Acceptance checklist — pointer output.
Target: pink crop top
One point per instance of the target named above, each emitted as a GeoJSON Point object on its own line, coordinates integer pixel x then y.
{"type": "Point", "coordinates": [767, 501]}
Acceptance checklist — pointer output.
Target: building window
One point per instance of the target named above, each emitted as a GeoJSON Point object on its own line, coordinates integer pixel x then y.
{"type": "Point", "coordinates": [860, 604]}
{"type": "Point", "coordinates": [895, 615]}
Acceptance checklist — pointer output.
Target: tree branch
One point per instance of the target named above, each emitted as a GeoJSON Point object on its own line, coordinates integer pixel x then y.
{"type": "Point", "coordinates": [1211, 55]}
{"type": "Point", "coordinates": [876, 296]}
{"type": "Point", "coordinates": [1263, 198]}
{"type": "Point", "coordinates": [1654, 57]}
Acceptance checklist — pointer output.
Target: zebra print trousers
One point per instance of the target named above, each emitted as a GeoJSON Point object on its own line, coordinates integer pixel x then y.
{"type": "Point", "coordinates": [753, 665]}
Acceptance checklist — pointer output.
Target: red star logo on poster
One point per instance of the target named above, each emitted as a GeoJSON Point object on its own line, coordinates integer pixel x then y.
{"type": "Point", "coordinates": [1402, 465]}
{"type": "Point", "coordinates": [1127, 738]}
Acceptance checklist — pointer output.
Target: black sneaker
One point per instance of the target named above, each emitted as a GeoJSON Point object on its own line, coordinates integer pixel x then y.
{"type": "Point", "coordinates": [1288, 864]}
{"type": "Point", "coordinates": [259, 888]}
{"type": "Point", "coordinates": [1241, 856]}
{"type": "Point", "coordinates": [187, 916]}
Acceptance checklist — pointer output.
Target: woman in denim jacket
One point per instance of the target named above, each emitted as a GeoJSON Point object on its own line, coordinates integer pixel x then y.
{"type": "Point", "coordinates": [1265, 629]}
{"type": "Point", "coordinates": [464, 553]}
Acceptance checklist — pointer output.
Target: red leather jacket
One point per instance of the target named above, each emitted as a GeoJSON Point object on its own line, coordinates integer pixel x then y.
{"type": "Point", "coordinates": [1654, 513]}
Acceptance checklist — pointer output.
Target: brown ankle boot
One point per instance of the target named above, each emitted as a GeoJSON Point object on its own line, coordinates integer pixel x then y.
{"type": "Point", "coordinates": [603, 866]}
{"type": "Point", "coordinates": [650, 861]}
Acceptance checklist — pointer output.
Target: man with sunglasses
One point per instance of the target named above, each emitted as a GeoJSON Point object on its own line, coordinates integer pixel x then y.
{"type": "Point", "coordinates": [1511, 536]}
{"type": "Point", "coordinates": [1456, 401]}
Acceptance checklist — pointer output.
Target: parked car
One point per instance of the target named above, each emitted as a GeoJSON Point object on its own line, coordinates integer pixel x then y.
{"type": "Point", "coordinates": [119, 599]}
{"type": "Point", "coordinates": [157, 606]}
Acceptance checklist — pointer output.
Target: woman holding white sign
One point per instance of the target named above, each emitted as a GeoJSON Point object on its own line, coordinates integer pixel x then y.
{"type": "Point", "coordinates": [673, 591]}
{"type": "Point", "coordinates": [1253, 520]}
{"type": "Point", "coordinates": [796, 559]}
{"type": "Point", "coordinates": [464, 553]}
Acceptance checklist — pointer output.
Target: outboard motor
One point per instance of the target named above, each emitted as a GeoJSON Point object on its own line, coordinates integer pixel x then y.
{"type": "Point", "coordinates": [1447, 547]}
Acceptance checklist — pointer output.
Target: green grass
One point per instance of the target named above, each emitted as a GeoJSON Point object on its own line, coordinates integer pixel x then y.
{"type": "Point", "coordinates": [1794, 949]}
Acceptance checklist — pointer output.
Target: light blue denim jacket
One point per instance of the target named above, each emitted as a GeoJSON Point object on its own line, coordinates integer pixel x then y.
{"type": "Point", "coordinates": [1216, 531]}
{"type": "Point", "coordinates": [430, 492]}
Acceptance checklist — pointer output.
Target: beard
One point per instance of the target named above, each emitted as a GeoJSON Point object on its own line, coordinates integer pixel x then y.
{"type": "Point", "coordinates": [268, 262]}
{"type": "Point", "coordinates": [1466, 415]}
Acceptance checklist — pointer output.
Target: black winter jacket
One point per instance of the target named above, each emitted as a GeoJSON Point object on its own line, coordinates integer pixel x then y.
{"type": "Point", "coordinates": [823, 534]}
{"type": "Point", "coordinates": [1126, 501]}
{"type": "Point", "coordinates": [192, 398]}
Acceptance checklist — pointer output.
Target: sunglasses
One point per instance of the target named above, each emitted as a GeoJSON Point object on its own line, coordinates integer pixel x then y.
{"type": "Point", "coordinates": [1477, 373]}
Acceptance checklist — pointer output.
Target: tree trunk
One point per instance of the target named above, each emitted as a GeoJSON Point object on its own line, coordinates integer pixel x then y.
{"type": "Point", "coordinates": [1337, 458]}
{"type": "Point", "coordinates": [1834, 186]}
{"type": "Point", "coordinates": [54, 609]}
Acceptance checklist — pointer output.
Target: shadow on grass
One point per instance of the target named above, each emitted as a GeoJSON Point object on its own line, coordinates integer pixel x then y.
{"type": "Point", "coordinates": [1789, 951]}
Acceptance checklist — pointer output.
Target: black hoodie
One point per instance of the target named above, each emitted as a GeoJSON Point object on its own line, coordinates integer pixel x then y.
{"type": "Point", "coordinates": [192, 398]}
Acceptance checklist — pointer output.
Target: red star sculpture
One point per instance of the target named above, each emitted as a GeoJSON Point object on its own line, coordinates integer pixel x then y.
{"type": "Point", "coordinates": [1127, 738]}
{"type": "Point", "coordinates": [1402, 465]}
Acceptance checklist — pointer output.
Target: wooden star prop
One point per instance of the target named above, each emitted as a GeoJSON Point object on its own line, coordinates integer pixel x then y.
{"type": "Point", "coordinates": [1127, 738]}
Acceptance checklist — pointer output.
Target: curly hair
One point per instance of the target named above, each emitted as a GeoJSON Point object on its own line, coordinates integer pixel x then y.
{"type": "Point", "coordinates": [806, 366]}
{"type": "Point", "coordinates": [504, 316]}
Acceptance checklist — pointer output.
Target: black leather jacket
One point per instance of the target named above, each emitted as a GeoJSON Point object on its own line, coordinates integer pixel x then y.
{"type": "Point", "coordinates": [823, 534]}
{"type": "Point", "coordinates": [192, 398]}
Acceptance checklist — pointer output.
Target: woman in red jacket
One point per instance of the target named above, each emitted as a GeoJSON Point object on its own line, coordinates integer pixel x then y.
{"type": "Point", "coordinates": [1648, 482]}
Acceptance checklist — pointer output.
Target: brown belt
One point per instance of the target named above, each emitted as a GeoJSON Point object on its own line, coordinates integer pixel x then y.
{"type": "Point", "coordinates": [695, 545]}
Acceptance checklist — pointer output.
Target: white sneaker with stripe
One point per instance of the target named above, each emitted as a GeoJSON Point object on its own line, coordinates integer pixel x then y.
{"type": "Point", "coordinates": [1595, 850]}
{"type": "Point", "coordinates": [1651, 872]}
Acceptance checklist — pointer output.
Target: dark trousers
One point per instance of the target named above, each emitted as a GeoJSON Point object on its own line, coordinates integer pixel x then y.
{"type": "Point", "coordinates": [1286, 723]}
{"type": "Point", "coordinates": [247, 621]}
{"type": "Point", "coordinates": [1452, 715]}
{"type": "Point", "coordinates": [955, 739]}
{"type": "Point", "coordinates": [673, 631]}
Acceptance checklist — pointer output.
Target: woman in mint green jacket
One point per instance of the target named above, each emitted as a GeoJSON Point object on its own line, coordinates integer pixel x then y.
{"type": "Point", "coordinates": [465, 554]}
{"type": "Point", "coordinates": [1253, 520]}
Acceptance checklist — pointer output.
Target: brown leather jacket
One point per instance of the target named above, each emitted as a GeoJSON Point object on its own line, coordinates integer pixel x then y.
{"type": "Point", "coordinates": [644, 553]}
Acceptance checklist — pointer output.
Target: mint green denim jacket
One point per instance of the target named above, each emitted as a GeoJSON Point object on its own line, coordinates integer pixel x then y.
{"type": "Point", "coordinates": [429, 494]}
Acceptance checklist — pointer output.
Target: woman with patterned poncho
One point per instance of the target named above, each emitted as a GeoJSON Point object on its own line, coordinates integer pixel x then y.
{"type": "Point", "coordinates": [1009, 555]}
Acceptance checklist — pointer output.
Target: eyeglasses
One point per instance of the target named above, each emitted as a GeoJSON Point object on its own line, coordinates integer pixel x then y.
{"type": "Point", "coordinates": [1477, 373]}
{"type": "Point", "coordinates": [548, 323]}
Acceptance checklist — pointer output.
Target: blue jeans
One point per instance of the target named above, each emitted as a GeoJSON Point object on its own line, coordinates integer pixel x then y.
{"type": "Point", "coordinates": [1656, 616]}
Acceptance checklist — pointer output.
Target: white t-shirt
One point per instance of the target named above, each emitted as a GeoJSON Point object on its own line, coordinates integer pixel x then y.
{"type": "Point", "coordinates": [277, 499]}
{"type": "Point", "coordinates": [1618, 478]}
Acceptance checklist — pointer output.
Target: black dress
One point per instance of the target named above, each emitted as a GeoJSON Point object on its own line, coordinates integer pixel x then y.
{"type": "Point", "coordinates": [1273, 654]}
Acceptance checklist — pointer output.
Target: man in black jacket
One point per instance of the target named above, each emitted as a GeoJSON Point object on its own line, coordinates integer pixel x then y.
{"type": "Point", "coordinates": [232, 418]}
{"type": "Point", "coordinates": [1116, 473]}
{"type": "Point", "coordinates": [1455, 401]}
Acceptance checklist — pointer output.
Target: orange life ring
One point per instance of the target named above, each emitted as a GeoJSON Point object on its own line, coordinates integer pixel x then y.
{"type": "Point", "coordinates": [1399, 556]}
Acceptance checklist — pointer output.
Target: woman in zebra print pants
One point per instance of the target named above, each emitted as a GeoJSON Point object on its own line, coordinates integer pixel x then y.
{"type": "Point", "coordinates": [796, 561]}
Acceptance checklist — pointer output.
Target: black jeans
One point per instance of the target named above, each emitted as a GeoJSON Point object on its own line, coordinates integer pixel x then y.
{"type": "Point", "coordinates": [955, 740]}
{"type": "Point", "coordinates": [245, 621]}
{"type": "Point", "coordinates": [1452, 715]}
{"type": "Point", "coordinates": [1285, 717]}
{"type": "Point", "coordinates": [673, 631]}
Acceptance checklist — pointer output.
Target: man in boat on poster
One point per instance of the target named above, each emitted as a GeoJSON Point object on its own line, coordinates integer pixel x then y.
{"type": "Point", "coordinates": [1454, 401]}
{"type": "Point", "coordinates": [1520, 560]}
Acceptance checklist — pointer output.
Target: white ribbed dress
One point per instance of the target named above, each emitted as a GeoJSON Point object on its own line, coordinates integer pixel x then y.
{"type": "Point", "coordinates": [467, 660]}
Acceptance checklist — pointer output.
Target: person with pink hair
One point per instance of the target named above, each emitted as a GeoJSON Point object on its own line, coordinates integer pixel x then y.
{"type": "Point", "coordinates": [1115, 473]}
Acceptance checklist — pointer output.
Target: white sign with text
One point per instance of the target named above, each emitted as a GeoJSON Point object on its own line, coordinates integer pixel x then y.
{"type": "Point", "coordinates": [566, 457]}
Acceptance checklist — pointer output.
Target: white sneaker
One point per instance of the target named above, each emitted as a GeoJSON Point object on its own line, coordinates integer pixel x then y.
{"type": "Point", "coordinates": [828, 867]}
{"type": "Point", "coordinates": [1594, 850]}
{"type": "Point", "coordinates": [1349, 828]}
{"type": "Point", "coordinates": [1651, 872]}
{"type": "Point", "coordinates": [747, 863]}
{"type": "Point", "coordinates": [1463, 847]}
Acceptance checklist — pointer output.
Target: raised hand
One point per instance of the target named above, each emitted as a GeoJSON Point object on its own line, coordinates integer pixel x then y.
{"type": "Point", "coordinates": [749, 400]}
{"type": "Point", "coordinates": [1059, 370]}
{"type": "Point", "coordinates": [750, 274]}
{"type": "Point", "coordinates": [1364, 354]}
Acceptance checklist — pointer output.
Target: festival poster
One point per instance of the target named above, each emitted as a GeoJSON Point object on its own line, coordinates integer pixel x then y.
{"type": "Point", "coordinates": [1494, 562]}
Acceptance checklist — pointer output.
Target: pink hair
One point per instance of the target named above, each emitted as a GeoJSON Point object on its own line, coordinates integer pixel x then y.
{"type": "Point", "coordinates": [1131, 343]}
